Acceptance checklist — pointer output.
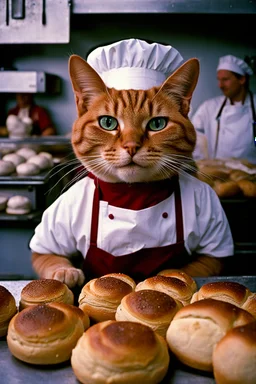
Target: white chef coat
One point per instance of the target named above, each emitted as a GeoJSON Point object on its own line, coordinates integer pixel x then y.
{"type": "Point", "coordinates": [235, 134]}
{"type": "Point", "coordinates": [65, 226]}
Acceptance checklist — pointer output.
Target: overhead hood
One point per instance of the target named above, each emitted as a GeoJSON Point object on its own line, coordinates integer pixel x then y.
{"type": "Point", "coordinates": [164, 6]}
{"type": "Point", "coordinates": [28, 82]}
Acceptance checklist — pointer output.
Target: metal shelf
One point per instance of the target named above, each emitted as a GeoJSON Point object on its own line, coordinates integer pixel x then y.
{"type": "Point", "coordinates": [33, 216]}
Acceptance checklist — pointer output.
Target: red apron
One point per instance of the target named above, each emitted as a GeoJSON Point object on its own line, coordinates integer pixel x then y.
{"type": "Point", "coordinates": [141, 264]}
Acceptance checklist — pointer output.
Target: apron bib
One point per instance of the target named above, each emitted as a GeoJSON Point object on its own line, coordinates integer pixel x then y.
{"type": "Point", "coordinates": [141, 264]}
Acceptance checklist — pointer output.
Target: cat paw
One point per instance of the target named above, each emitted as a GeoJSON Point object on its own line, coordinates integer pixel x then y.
{"type": "Point", "coordinates": [69, 276]}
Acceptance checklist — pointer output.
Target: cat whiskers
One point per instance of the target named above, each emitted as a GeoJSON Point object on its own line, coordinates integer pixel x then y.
{"type": "Point", "coordinates": [177, 164]}
{"type": "Point", "coordinates": [98, 165]}
{"type": "Point", "coordinates": [186, 165]}
{"type": "Point", "coordinates": [65, 175]}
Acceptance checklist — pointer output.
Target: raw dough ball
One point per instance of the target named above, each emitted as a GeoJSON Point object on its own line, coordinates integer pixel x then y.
{"type": "Point", "coordinates": [27, 169]}
{"type": "Point", "coordinates": [48, 156]}
{"type": "Point", "coordinates": [14, 158]}
{"type": "Point", "coordinates": [18, 205]}
{"type": "Point", "coordinates": [6, 167]}
{"type": "Point", "coordinates": [41, 161]}
{"type": "Point", "coordinates": [26, 152]}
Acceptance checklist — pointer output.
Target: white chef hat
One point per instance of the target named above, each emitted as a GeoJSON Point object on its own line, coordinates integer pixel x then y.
{"type": "Point", "coordinates": [134, 63]}
{"type": "Point", "coordinates": [234, 64]}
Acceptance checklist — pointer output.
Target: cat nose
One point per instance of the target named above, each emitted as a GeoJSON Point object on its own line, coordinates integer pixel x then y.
{"type": "Point", "coordinates": [131, 147]}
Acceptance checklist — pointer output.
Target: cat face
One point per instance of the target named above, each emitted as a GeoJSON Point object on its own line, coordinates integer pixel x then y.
{"type": "Point", "coordinates": [133, 135]}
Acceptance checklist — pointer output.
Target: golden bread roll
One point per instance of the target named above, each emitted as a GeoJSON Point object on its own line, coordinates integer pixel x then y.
{"type": "Point", "coordinates": [197, 327]}
{"type": "Point", "coordinates": [8, 309]}
{"type": "Point", "coordinates": [46, 333]}
{"type": "Point", "coordinates": [216, 172]}
{"type": "Point", "coordinates": [100, 297]}
{"type": "Point", "coordinates": [180, 275]}
{"type": "Point", "coordinates": [44, 291]}
{"type": "Point", "coordinates": [176, 288]}
{"type": "Point", "coordinates": [229, 291]}
{"type": "Point", "coordinates": [238, 174]}
{"type": "Point", "coordinates": [120, 352]}
{"type": "Point", "coordinates": [211, 163]}
{"type": "Point", "coordinates": [248, 187]}
{"type": "Point", "coordinates": [227, 188]}
{"type": "Point", "coordinates": [152, 308]}
{"type": "Point", "coordinates": [234, 356]}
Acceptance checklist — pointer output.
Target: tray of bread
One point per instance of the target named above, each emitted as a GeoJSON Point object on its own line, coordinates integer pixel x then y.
{"type": "Point", "coordinates": [230, 178]}
{"type": "Point", "coordinates": [169, 328]}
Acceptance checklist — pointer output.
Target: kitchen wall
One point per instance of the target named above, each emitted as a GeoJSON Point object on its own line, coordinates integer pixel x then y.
{"type": "Point", "coordinates": [205, 36]}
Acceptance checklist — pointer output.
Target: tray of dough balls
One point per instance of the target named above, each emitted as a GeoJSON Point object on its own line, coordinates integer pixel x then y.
{"type": "Point", "coordinates": [168, 328]}
{"type": "Point", "coordinates": [230, 178]}
{"type": "Point", "coordinates": [25, 163]}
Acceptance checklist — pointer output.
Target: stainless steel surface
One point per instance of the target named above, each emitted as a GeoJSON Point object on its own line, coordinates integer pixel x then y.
{"type": "Point", "coordinates": [43, 22]}
{"type": "Point", "coordinates": [165, 6]}
{"type": "Point", "coordinates": [28, 81]}
{"type": "Point", "coordinates": [13, 371]}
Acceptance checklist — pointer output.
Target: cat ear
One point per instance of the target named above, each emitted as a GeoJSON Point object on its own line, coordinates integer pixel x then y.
{"type": "Point", "coordinates": [181, 84]}
{"type": "Point", "coordinates": [86, 82]}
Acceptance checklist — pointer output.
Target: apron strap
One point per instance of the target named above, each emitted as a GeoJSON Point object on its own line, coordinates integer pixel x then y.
{"type": "Point", "coordinates": [218, 126]}
{"type": "Point", "coordinates": [95, 213]}
{"type": "Point", "coordinates": [178, 212]}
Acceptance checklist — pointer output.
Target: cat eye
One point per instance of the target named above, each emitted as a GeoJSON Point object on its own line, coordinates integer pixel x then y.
{"type": "Point", "coordinates": [108, 122]}
{"type": "Point", "coordinates": [157, 123]}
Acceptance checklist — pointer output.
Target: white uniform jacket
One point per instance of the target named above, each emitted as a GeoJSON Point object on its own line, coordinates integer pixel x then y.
{"type": "Point", "coordinates": [65, 226]}
{"type": "Point", "coordinates": [235, 130]}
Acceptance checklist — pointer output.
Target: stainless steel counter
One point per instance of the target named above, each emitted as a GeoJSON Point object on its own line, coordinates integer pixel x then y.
{"type": "Point", "coordinates": [13, 371]}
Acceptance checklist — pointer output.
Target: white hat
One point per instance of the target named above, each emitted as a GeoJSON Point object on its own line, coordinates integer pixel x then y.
{"type": "Point", "coordinates": [234, 64]}
{"type": "Point", "coordinates": [134, 63]}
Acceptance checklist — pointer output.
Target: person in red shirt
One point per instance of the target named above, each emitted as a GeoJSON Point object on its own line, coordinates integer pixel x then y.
{"type": "Point", "coordinates": [26, 107]}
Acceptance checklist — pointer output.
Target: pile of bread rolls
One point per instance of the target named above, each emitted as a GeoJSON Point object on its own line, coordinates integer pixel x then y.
{"type": "Point", "coordinates": [229, 177]}
{"type": "Point", "coordinates": [134, 333]}
{"type": "Point", "coordinates": [25, 162]}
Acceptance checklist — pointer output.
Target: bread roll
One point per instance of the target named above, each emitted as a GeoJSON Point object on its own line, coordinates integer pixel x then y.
{"type": "Point", "coordinates": [178, 274]}
{"type": "Point", "coordinates": [237, 174]}
{"type": "Point", "coordinates": [26, 152]}
{"type": "Point", "coordinates": [100, 297]}
{"type": "Point", "coordinates": [6, 168]}
{"type": "Point", "coordinates": [27, 169]}
{"type": "Point", "coordinates": [197, 327]}
{"type": "Point", "coordinates": [41, 161]}
{"type": "Point", "coordinates": [44, 291]}
{"type": "Point", "coordinates": [234, 356]}
{"type": "Point", "coordinates": [172, 286]}
{"type": "Point", "coordinates": [14, 158]}
{"type": "Point", "coordinates": [18, 205]}
{"type": "Point", "coordinates": [120, 352]}
{"type": "Point", "coordinates": [248, 187]}
{"type": "Point", "coordinates": [228, 188]}
{"type": "Point", "coordinates": [45, 334]}
{"type": "Point", "coordinates": [152, 308]}
{"type": "Point", "coordinates": [216, 172]}
{"type": "Point", "coordinates": [7, 309]}
{"type": "Point", "coordinates": [49, 157]}
{"type": "Point", "coordinates": [230, 291]}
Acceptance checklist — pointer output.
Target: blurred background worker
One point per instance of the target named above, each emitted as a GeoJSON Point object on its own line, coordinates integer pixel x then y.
{"type": "Point", "coordinates": [29, 118]}
{"type": "Point", "coordinates": [226, 125]}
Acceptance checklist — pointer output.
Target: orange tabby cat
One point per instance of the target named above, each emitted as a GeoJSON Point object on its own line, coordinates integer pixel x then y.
{"type": "Point", "coordinates": [123, 136]}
